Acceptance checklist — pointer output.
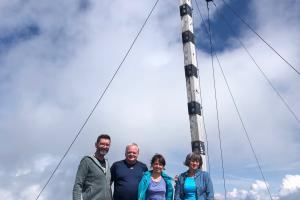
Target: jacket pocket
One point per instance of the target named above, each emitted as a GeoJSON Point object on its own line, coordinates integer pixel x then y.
{"type": "Point", "coordinates": [87, 193]}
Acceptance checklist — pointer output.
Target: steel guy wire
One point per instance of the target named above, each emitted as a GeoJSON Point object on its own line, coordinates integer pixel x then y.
{"type": "Point", "coordinates": [100, 98]}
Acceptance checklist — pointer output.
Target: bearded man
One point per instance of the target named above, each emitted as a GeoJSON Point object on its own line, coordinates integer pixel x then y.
{"type": "Point", "coordinates": [93, 175]}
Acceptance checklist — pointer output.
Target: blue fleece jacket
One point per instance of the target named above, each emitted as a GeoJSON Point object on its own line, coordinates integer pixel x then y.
{"type": "Point", "coordinates": [204, 186]}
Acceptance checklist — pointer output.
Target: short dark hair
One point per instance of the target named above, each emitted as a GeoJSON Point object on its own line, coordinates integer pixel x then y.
{"type": "Point", "coordinates": [193, 157]}
{"type": "Point", "coordinates": [159, 158]}
{"type": "Point", "coordinates": [103, 136]}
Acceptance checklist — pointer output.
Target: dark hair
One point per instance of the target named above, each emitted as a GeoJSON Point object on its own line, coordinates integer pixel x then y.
{"type": "Point", "coordinates": [159, 158]}
{"type": "Point", "coordinates": [193, 157]}
{"type": "Point", "coordinates": [103, 136]}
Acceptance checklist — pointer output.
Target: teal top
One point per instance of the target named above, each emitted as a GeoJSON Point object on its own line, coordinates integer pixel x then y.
{"type": "Point", "coordinates": [189, 188]}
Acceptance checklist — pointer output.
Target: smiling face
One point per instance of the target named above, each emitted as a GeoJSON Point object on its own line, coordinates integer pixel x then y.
{"type": "Point", "coordinates": [193, 161]}
{"type": "Point", "coordinates": [158, 163]}
{"type": "Point", "coordinates": [102, 146]}
{"type": "Point", "coordinates": [194, 165]}
{"type": "Point", "coordinates": [131, 154]}
{"type": "Point", "coordinates": [157, 167]}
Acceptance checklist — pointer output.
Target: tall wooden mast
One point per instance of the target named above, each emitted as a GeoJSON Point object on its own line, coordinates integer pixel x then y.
{"type": "Point", "coordinates": [192, 81]}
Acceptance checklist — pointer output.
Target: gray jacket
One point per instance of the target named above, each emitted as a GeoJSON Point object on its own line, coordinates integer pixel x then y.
{"type": "Point", "coordinates": [92, 180]}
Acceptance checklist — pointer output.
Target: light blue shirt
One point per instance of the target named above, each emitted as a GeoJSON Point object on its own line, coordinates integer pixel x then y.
{"type": "Point", "coordinates": [190, 188]}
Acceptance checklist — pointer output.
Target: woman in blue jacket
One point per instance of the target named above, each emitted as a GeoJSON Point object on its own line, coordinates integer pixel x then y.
{"type": "Point", "coordinates": [155, 184]}
{"type": "Point", "coordinates": [194, 184]}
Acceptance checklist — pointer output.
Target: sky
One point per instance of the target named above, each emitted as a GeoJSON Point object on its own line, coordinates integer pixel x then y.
{"type": "Point", "coordinates": [56, 58]}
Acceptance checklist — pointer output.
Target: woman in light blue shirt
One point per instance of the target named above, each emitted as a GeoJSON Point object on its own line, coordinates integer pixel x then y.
{"type": "Point", "coordinates": [194, 184]}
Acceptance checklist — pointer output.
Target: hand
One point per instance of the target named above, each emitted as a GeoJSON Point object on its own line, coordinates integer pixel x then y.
{"type": "Point", "coordinates": [175, 178]}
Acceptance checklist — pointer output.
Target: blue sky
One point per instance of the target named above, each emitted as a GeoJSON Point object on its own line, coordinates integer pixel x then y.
{"type": "Point", "coordinates": [221, 32]}
{"type": "Point", "coordinates": [57, 56]}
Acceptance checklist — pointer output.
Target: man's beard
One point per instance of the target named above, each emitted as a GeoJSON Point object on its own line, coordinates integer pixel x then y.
{"type": "Point", "coordinates": [103, 152]}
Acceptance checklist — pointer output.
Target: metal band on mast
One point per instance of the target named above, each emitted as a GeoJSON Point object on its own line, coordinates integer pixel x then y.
{"type": "Point", "coordinates": [192, 81]}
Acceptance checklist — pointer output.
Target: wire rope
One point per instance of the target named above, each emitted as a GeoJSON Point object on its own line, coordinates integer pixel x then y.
{"type": "Point", "coordinates": [216, 102]}
{"type": "Point", "coordinates": [100, 98]}
{"type": "Point", "coordinates": [259, 68]}
{"type": "Point", "coordinates": [238, 112]}
{"type": "Point", "coordinates": [252, 29]}
{"type": "Point", "coordinates": [243, 125]}
{"type": "Point", "coordinates": [236, 107]}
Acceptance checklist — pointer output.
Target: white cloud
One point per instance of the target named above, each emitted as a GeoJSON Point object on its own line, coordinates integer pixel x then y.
{"type": "Point", "coordinates": [31, 192]}
{"type": "Point", "coordinates": [289, 190]}
{"type": "Point", "coordinates": [50, 83]}
{"type": "Point", "coordinates": [258, 191]}
{"type": "Point", "coordinates": [22, 172]}
{"type": "Point", "coordinates": [26, 193]}
{"type": "Point", "coordinates": [27, 183]}
{"type": "Point", "coordinates": [236, 194]}
{"type": "Point", "coordinates": [290, 184]}
{"type": "Point", "coordinates": [43, 163]}
{"type": "Point", "coordinates": [5, 194]}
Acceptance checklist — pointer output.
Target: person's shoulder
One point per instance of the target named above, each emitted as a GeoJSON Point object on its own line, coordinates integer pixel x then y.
{"type": "Point", "coordinates": [183, 174]}
{"type": "Point", "coordinates": [141, 164]}
{"type": "Point", "coordinates": [118, 163]}
{"type": "Point", "coordinates": [148, 173]}
{"type": "Point", "coordinates": [204, 173]}
{"type": "Point", "coordinates": [146, 177]}
{"type": "Point", "coordinates": [84, 158]}
{"type": "Point", "coordinates": [166, 176]}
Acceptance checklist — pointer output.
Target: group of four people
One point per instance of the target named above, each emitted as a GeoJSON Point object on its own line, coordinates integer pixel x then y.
{"type": "Point", "coordinates": [133, 181]}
